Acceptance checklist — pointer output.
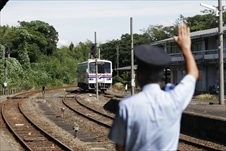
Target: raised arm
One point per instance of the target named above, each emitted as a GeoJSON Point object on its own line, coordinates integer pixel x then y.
{"type": "Point", "coordinates": [184, 41]}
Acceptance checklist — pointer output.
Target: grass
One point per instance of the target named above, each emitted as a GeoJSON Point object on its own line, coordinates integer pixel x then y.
{"type": "Point", "coordinates": [206, 96]}
{"type": "Point", "coordinates": [118, 86]}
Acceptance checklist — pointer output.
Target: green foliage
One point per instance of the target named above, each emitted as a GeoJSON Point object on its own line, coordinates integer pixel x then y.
{"type": "Point", "coordinates": [159, 32]}
{"type": "Point", "coordinates": [22, 37]}
{"type": "Point", "coordinates": [201, 22]}
{"type": "Point", "coordinates": [82, 51]}
{"type": "Point", "coordinates": [109, 51]}
{"type": "Point", "coordinates": [7, 33]}
{"type": "Point", "coordinates": [118, 79]}
{"type": "Point", "coordinates": [43, 35]}
{"type": "Point", "coordinates": [71, 47]}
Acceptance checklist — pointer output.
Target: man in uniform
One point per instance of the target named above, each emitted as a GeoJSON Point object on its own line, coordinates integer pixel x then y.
{"type": "Point", "coordinates": [150, 120]}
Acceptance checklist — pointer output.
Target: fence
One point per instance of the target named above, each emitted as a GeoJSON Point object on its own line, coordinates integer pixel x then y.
{"type": "Point", "coordinates": [8, 91]}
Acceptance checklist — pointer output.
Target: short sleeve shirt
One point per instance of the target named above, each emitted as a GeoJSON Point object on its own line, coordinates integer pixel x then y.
{"type": "Point", "coordinates": [150, 120]}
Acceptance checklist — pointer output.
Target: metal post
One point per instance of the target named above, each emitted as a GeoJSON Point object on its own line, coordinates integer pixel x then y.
{"type": "Point", "coordinates": [99, 53]}
{"type": "Point", "coordinates": [5, 74]}
{"type": "Point", "coordinates": [221, 55]}
{"type": "Point", "coordinates": [132, 56]}
{"type": "Point", "coordinates": [62, 112]}
{"type": "Point", "coordinates": [96, 68]}
{"type": "Point", "coordinates": [117, 48]}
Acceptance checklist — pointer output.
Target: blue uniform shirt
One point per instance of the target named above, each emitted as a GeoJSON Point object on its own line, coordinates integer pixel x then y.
{"type": "Point", "coordinates": [150, 120]}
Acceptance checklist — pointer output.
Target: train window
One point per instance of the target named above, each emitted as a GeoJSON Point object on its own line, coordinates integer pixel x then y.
{"type": "Point", "coordinates": [103, 67]}
{"type": "Point", "coordinates": [92, 68]}
{"type": "Point", "coordinates": [107, 67]}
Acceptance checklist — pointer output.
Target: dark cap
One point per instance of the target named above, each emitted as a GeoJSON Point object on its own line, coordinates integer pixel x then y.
{"type": "Point", "coordinates": [152, 55]}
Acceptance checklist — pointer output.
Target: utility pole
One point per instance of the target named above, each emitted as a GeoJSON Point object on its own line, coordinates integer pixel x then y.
{"type": "Point", "coordinates": [5, 73]}
{"type": "Point", "coordinates": [132, 58]}
{"type": "Point", "coordinates": [95, 40]}
{"type": "Point", "coordinates": [99, 52]}
{"type": "Point", "coordinates": [117, 48]}
{"type": "Point", "coordinates": [220, 48]}
{"type": "Point", "coordinates": [221, 54]}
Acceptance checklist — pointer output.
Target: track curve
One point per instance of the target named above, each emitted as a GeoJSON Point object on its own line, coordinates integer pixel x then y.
{"type": "Point", "coordinates": [29, 135]}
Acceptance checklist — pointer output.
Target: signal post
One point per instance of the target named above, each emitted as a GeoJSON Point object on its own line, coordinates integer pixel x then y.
{"type": "Point", "coordinates": [93, 53]}
{"type": "Point", "coordinates": [6, 54]}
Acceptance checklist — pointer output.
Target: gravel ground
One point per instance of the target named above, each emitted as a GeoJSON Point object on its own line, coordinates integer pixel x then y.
{"type": "Point", "coordinates": [32, 108]}
{"type": "Point", "coordinates": [55, 103]}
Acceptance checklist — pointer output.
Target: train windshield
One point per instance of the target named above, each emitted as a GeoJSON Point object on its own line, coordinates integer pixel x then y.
{"type": "Point", "coordinates": [103, 67]}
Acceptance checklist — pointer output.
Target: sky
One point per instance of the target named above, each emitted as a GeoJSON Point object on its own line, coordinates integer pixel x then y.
{"type": "Point", "coordinates": [77, 21]}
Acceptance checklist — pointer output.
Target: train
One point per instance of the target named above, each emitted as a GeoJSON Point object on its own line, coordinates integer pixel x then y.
{"type": "Point", "coordinates": [86, 74]}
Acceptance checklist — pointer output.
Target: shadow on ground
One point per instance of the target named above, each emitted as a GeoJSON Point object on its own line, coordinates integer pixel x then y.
{"type": "Point", "coordinates": [112, 105]}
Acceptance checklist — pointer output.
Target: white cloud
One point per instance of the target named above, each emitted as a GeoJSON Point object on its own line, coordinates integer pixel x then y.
{"type": "Point", "coordinates": [63, 42]}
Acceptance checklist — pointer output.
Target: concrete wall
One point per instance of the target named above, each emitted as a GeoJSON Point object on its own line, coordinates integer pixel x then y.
{"type": "Point", "coordinates": [202, 127]}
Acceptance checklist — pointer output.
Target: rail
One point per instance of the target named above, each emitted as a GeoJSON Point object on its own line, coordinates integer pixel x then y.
{"type": "Point", "coordinates": [86, 116]}
{"type": "Point", "coordinates": [23, 143]}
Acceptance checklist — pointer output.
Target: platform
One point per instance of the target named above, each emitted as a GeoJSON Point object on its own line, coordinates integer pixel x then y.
{"type": "Point", "coordinates": [205, 119]}
{"type": "Point", "coordinates": [207, 108]}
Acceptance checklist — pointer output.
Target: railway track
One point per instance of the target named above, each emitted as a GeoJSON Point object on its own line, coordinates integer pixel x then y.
{"type": "Point", "coordinates": [94, 115]}
{"type": "Point", "coordinates": [198, 145]}
{"type": "Point", "coordinates": [31, 136]}
{"type": "Point", "coordinates": [101, 118]}
{"type": "Point", "coordinates": [89, 111]}
{"type": "Point", "coordinates": [79, 106]}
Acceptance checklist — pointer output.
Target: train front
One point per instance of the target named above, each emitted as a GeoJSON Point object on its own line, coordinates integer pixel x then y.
{"type": "Point", "coordinates": [104, 78]}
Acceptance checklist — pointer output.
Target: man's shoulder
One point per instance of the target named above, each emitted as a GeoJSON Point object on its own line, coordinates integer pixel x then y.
{"type": "Point", "coordinates": [129, 100]}
{"type": "Point", "coordinates": [189, 78]}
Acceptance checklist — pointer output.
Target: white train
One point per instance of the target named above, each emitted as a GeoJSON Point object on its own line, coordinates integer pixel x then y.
{"type": "Point", "coordinates": [86, 74]}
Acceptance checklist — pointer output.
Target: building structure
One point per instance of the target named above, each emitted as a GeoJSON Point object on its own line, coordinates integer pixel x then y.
{"type": "Point", "coordinates": [205, 48]}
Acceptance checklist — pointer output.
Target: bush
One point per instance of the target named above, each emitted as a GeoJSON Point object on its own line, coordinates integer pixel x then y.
{"type": "Point", "coordinates": [117, 79]}
{"type": "Point", "coordinates": [118, 86]}
{"type": "Point", "coordinates": [206, 97]}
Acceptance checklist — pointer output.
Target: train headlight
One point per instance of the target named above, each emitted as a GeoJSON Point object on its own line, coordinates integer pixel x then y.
{"type": "Point", "coordinates": [108, 78]}
{"type": "Point", "coordinates": [90, 78]}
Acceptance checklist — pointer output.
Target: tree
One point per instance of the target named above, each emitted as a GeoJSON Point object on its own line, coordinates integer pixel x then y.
{"type": "Point", "coordinates": [198, 22]}
{"type": "Point", "coordinates": [71, 47]}
{"type": "Point", "coordinates": [82, 51]}
{"type": "Point", "coordinates": [109, 51]}
{"type": "Point", "coordinates": [202, 22]}
{"type": "Point", "coordinates": [43, 35]}
{"type": "Point", "coordinates": [159, 32]}
{"type": "Point", "coordinates": [7, 35]}
{"type": "Point", "coordinates": [22, 37]}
